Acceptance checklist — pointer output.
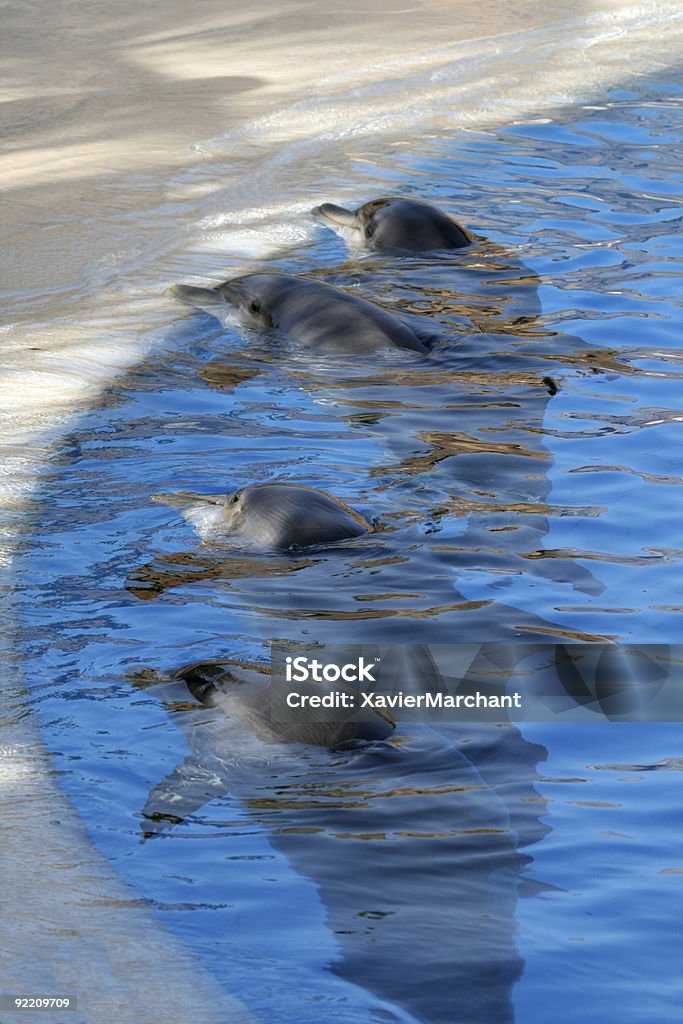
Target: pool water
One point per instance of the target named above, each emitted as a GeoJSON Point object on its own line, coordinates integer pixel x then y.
{"type": "Point", "coordinates": [467, 873]}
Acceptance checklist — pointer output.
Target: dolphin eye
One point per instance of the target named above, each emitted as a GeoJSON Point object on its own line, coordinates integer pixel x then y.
{"type": "Point", "coordinates": [254, 307]}
{"type": "Point", "coordinates": [234, 498]}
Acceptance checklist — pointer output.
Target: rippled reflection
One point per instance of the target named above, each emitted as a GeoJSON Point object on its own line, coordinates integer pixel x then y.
{"type": "Point", "coordinates": [503, 511]}
{"type": "Point", "coordinates": [450, 444]}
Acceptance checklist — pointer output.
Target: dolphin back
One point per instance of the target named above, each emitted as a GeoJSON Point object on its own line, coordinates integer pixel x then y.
{"type": "Point", "coordinates": [411, 225]}
{"type": "Point", "coordinates": [286, 516]}
{"type": "Point", "coordinates": [329, 319]}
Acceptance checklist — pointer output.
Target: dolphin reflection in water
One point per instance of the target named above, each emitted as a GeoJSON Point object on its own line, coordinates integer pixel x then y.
{"type": "Point", "coordinates": [413, 838]}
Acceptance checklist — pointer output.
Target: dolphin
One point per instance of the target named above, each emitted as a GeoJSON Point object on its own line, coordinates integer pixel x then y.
{"type": "Point", "coordinates": [249, 693]}
{"type": "Point", "coordinates": [398, 225]}
{"type": "Point", "coordinates": [318, 316]}
{"type": "Point", "coordinates": [272, 515]}
{"type": "Point", "coordinates": [412, 850]}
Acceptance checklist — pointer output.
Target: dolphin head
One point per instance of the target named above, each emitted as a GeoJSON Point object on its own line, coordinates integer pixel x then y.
{"type": "Point", "coordinates": [212, 515]}
{"type": "Point", "coordinates": [253, 297]}
{"type": "Point", "coordinates": [250, 298]}
{"type": "Point", "coordinates": [366, 220]}
{"type": "Point", "coordinates": [372, 220]}
{"type": "Point", "coordinates": [369, 221]}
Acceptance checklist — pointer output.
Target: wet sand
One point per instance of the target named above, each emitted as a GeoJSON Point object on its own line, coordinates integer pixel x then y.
{"type": "Point", "coordinates": [95, 95]}
{"type": "Point", "coordinates": [72, 928]}
{"type": "Point", "coordinates": [103, 106]}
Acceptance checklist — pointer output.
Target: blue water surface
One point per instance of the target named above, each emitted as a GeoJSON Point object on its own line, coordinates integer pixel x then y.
{"type": "Point", "coordinates": [464, 873]}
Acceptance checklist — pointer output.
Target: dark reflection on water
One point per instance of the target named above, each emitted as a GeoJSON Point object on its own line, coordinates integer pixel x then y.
{"type": "Point", "coordinates": [414, 846]}
{"type": "Point", "coordinates": [503, 513]}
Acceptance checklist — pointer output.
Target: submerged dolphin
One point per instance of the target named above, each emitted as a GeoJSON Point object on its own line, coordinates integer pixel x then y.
{"type": "Point", "coordinates": [316, 315]}
{"type": "Point", "coordinates": [407, 225]}
{"type": "Point", "coordinates": [247, 693]}
{"type": "Point", "coordinates": [249, 718]}
{"type": "Point", "coordinates": [271, 515]}
{"type": "Point", "coordinates": [412, 851]}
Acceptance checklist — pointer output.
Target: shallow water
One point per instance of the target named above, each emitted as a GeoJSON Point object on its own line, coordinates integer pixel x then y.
{"type": "Point", "coordinates": [505, 513]}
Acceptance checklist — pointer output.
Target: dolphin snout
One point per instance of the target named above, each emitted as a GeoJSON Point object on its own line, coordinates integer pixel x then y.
{"type": "Point", "coordinates": [200, 298]}
{"type": "Point", "coordinates": [335, 215]}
